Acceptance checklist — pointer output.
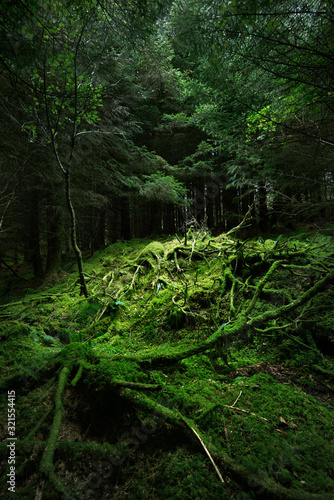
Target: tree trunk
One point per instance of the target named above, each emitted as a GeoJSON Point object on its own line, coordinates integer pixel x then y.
{"type": "Point", "coordinates": [219, 223]}
{"type": "Point", "coordinates": [154, 226]}
{"type": "Point", "coordinates": [77, 251]}
{"type": "Point", "coordinates": [168, 219]}
{"type": "Point", "coordinates": [113, 223]}
{"type": "Point", "coordinates": [125, 218]}
{"type": "Point", "coordinates": [98, 230]}
{"type": "Point", "coordinates": [200, 200]}
{"type": "Point", "coordinates": [209, 214]}
{"type": "Point", "coordinates": [34, 250]}
{"type": "Point", "coordinates": [230, 208]}
{"type": "Point", "coordinates": [54, 238]}
{"type": "Point", "coordinates": [263, 210]}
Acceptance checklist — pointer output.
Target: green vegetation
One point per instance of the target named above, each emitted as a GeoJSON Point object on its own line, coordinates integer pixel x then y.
{"type": "Point", "coordinates": [191, 370]}
{"type": "Point", "coordinates": [166, 249]}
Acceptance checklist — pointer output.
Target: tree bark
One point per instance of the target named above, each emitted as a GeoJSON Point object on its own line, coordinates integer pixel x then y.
{"type": "Point", "coordinates": [34, 250]}
{"type": "Point", "coordinates": [77, 251]}
{"type": "Point", "coordinates": [263, 210]}
{"type": "Point", "coordinates": [154, 226]}
{"type": "Point", "coordinates": [168, 219]}
{"type": "Point", "coordinates": [54, 238]}
{"type": "Point", "coordinates": [230, 208]}
{"type": "Point", "coordinates": [125, 218]}
{"type": "Point", "coordinates": [98, 219]}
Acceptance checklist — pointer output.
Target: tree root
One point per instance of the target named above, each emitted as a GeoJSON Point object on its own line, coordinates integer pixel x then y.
{"type": "Point", "coordinates": [46, 466]}
{"type": "Point", "coordinates": [135, 385]}
{"type": "Point", "coordinates": [231, 330]}
{"type": "Point", "coordinates": [77, 376]}
{"type": "Point", "coordinates": [176, 262]}
{"type": "Point", "coordinates": [39, 424]}
{"type": "Point", "coordinates": [261, 284]}
{"type": "Point", "coordinates": [305, 297]}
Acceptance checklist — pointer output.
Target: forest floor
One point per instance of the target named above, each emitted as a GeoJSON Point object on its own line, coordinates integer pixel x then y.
{"type": "Point", "coordinates": [195, 369]}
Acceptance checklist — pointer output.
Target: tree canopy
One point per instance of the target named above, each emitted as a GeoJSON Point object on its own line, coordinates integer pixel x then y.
{"type": "Point", "coordinates": [166, 249]}
{"type": "Point", "coordinates": [233, 99]}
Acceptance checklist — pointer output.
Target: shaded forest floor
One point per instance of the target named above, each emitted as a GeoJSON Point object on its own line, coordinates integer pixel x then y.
{"type": "Point", "coordinates": [197, 370]}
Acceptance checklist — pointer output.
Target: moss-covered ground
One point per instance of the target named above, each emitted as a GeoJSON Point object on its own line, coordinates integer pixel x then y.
{"type": "Point", "coordinates": [198, 370]}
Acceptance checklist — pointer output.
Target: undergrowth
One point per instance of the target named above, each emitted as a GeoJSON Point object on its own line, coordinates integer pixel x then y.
{"type": "Point", "coordinates": [136, 423]}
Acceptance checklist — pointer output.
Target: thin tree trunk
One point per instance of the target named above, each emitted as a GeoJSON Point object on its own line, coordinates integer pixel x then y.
{"type": "Point", "coordinates": [209, 214]}
{"type": "Point", "coordinates": [125, 218]}
{"type": "Point", "coordinates": [54, 239]}
{"type": "Point", "coordinates": [168, 219]}
{"type": "Point", "coordinates": [230, 208]}
{"type": "Point", "coordinates": [34, 250]}
{"type": "Point", "coordinates": [98, 232]}
{"type": "Point", "coordinates": [263, 211]}
{"type": "Point", "coordinates": [77, 251]}
{"type": "Point", "coordinates": [154, 226]}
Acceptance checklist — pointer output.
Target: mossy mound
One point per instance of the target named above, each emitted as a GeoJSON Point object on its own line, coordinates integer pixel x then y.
{"type": "Point", "coordinates": [168, 381]}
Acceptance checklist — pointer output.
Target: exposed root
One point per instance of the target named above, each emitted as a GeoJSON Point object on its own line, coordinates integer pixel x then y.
{"type": "Point", "coordinates": [261, 284]}
{"type": "Point", "coordinates": [77, 376]}
{"type": "Point", "coordinates": [231, 330]}
{"type": "Point", "coordinates": [249, 282]}
{"type": "Point", "coordinates": [135, 385]}
{"type": "Point", "coordinates": [46, 465]}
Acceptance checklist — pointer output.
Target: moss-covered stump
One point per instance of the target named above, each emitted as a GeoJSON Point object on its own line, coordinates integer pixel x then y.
{"type": "Point", "coordinates": [168, 382]}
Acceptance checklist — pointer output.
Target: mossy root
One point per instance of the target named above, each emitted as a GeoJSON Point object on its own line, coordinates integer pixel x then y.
{"type": "Point", "coordinates": [46, 465]}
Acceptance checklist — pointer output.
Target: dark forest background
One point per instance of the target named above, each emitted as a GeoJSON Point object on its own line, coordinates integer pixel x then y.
{"type": "Point", "coordinates": [123, 119]}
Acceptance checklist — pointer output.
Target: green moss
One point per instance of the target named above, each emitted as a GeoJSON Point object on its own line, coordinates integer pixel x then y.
{"type": "Point", "coordinates": [143, 307]}
{"type": "Point", "coordinates": [176, 318]}
{"type": "Point", "coordinates": [176, 475]}
{"type": "Point", "coordinates": [152, 251]}
{"type": "Point", "coordinates": [104, 373]}
{"type": "Point", "coordinates": [14, 331]}
{"type": "Point", "coordinates": [76, 351]}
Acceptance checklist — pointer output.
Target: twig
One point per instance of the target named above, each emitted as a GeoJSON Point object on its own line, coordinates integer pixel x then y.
{"type": "Point", "coordinates": [176, 262]}
{"type": "Point", "coordinates": [134, 278]}
{"type": "Point", "coordinates": [236, 399]}
{"type": "Point", "coordinates": [244, 411]}
{"type": "Point", "coordinates": [242, 223]}
{"type": "Point", "coordinates": [208, 453]}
